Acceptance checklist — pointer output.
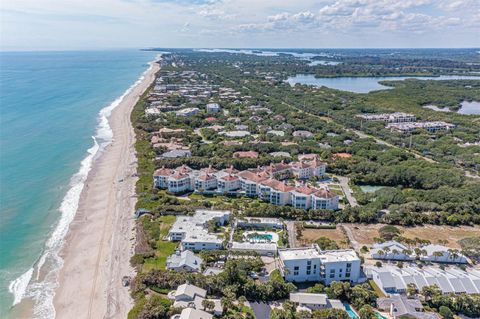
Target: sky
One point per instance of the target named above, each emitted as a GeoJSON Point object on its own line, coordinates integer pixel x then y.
{"type": "Point", "coordinates": [103, 24]}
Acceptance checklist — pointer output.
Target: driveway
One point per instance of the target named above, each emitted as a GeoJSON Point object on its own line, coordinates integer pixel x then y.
{"type": "Point", "coordinates": [343, 181]}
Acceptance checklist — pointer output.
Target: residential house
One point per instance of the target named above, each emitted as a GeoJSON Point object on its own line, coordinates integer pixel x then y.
{"type": "Point", "coordinates": [392, 279]}
{"type": "Point", "coordinates": [390, 250]}
{"type": "Point", "coordinates": [176, 154]}
{"type": "Point", "coordinates": [302, 133]}
{"type": "Point", "coordinates": [313, 301]}
{"type": "Point", "coordinates": [184, 261]}
{"type": "Point", "coordinates": [442, 254]}
{"type": "Point", "coordinates": [187, 112]}
{"type": "Point", "coordinates": [213, 108]}
{"type": "Point", "coordinates": [399, 306]}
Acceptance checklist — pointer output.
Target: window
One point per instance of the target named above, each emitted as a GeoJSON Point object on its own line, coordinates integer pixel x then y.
{"type": "Point", "coordinates": [332, 271]}
{"type": "Point", "coordinates": [295, 268]}
{"type": "Point", "coordinates": [349, 265]}
{"type": "Point", "coordinates": [308, 272]}
{"type": "Point", "coordinates": [347, 275]}
{"type": "Point", "coordinates": [309, 262]}
{"type": "Point", "coordinates": [295, 273]}
{"type": "Point", "coordinates": [332, 276]}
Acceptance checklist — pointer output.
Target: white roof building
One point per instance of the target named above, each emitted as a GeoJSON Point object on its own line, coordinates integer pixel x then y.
{"type": "Point", "coordinates": [313, 264]}
{"type": "Point", "coordinates": [191, 313]}
{"type": "Point", "coordinates": [261, 248]}
{"type": "Point", "coordinates": [189, 111]}
{"type": "Point", "coordinates": [259, 222]}
{"type": "Point", "coordinates": [187, 292]}
{"type": "Point", "coordinates": [392, 279]}
{"type": "Point", "coordinates": [193, 233]}
{"type": "Point", "coordinates": [213, 107]}
{"type": "Point", "coordinates": [184, 261]}
{"type": "Point", "coordinates": [313, 301]}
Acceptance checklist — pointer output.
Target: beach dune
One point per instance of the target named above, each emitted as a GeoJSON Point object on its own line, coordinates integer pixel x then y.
{"type": "Point", "coordinates": [100, 240]}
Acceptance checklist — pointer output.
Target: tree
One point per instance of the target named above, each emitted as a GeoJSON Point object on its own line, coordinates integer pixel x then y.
{"type": "Point", "coordinates": [411, 289]}
{"type": "Point", "coordinates": [326, 243]}
{"type": "Point", "coordinates": [208, 305]}
{"type": "Point", "coordinates": [437, 254]}
{"type": "Point", "coordinates": [329, 313]}
{"type": "Point", "coordinates": [318, 288]}
{"type": "Point", "coordinates": [431, 291]}
{"type": "Point", "coordinates": [388, 232]}
{"type": "Point", "coordinates": [445, 312]}
{"type": "Point", "coordinates": [367, 312]}
{"type": "Point", "coordinates": [378, 264]}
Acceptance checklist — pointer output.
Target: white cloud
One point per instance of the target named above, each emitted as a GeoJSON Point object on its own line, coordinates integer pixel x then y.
{"type": "Point", "coordinates": [121, 23]}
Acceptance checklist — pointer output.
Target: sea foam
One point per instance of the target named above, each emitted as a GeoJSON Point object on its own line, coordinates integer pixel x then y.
{"type": "Point", "coordinates": [41, 288]}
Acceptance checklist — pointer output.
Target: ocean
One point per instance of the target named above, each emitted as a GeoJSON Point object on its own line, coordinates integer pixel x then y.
{"type": "Point", "coordinates": [53, 109]}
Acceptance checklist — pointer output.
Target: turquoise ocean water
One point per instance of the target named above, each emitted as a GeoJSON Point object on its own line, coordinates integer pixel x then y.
{"type": "Point", "coordinates": [51, 106]}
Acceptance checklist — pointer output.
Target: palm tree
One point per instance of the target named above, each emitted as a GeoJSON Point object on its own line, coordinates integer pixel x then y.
{"type": "Point", "coordinates": [386, 250]}
{"type": "Point", "coordinates": [395, 252]}
{"type": "Point", "coordinates": [437, 254]}
{"type": "Point", "coordinates": [418, 252]}
{"type": "Point", "coordinates": [208, 305]}
{"type": "Point", "coordinates": [381, 253]}
{"type": "Point", "coordinates": [407, 253]}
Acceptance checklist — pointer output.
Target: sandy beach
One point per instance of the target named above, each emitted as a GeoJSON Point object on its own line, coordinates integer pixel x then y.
{"type": "Point", "coordinates": [100, 240]}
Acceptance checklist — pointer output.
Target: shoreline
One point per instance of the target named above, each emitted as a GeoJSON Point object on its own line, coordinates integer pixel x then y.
{"type": "Point", "coordinates": [100, 240]}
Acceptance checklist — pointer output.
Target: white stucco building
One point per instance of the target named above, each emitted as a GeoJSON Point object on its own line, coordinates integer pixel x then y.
{"type": "Point", "coordinates": [312, 264]}
{"type": "Point", "coordinates": [192, 231]}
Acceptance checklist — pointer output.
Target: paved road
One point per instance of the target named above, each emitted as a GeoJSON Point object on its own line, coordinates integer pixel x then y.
{"type": "Point", "coordinates": [292, 233]}
{"type": "Point", "coordinates": [343, 181]}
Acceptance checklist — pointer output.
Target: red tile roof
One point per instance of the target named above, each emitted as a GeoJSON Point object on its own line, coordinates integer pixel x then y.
{"type": "Point", "coordinates": [163, 172]}
{"type": "Point", "coordinates": [342, 155]}
{"type": "Point", "coordinates": [253, 176]}
{"type": "Point", "coordinates": [324, 193]}
{"type": "Point", "coordinates": [229, 178]}
{"type": "Point", "coordinates": [277, 185]}
{"type": "Point", "coordinates": [246, 154]}
{"type": "Point", "coordinates": [306, 190]}
{"type": "Point", "coordinates": [178, 175]}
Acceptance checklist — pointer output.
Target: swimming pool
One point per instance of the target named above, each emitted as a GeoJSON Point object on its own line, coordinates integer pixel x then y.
{"type": "Point", "coordinates": [379, 316]}
{"type": "Point", "coordinates": [261, 237]}
{"type": "Point", "coordinates": [351, 313]}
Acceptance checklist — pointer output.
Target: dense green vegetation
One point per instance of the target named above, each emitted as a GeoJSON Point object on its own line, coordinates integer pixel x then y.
{"type": "Point", "coordinates": [426, 178]}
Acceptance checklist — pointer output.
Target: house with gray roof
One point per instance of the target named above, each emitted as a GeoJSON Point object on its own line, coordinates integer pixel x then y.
{"type": "Point", "coordinates": [184, 261]}
{"type": "Point", "coordinates": [392, 279]}
{"type": "Point", "coordinates": [313, 301]}
{"type": "Point", "coordinates": [399, 306]}
{"type": "Point", "coordinates": [176, 154]}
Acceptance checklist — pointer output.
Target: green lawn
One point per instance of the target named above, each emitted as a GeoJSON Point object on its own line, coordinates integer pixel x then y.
{"type": "Point", "coordinates": [164, 248]}
{"type": "Point", "coordinates": [377, 290]}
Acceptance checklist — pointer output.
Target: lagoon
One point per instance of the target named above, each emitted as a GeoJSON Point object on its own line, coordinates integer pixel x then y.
{"type": "Point", "coordinates": [466, 108]}
{"type": "Point", "coordinates": [470, 108]}
{"type": "Point", "coordinates": [364, 84]}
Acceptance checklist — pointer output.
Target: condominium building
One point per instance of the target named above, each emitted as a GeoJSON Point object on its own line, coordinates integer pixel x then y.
{"type": "Point", "coordinates": [397, 117]}
{"type": "Point", "coordinates": [431, 127]}
{"type": "Point", "coordinates": [192, 231]}
{"type": "Point", "coordinates": [263, 182]}
{"type": "Point", "coordinates": [313, 264]}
